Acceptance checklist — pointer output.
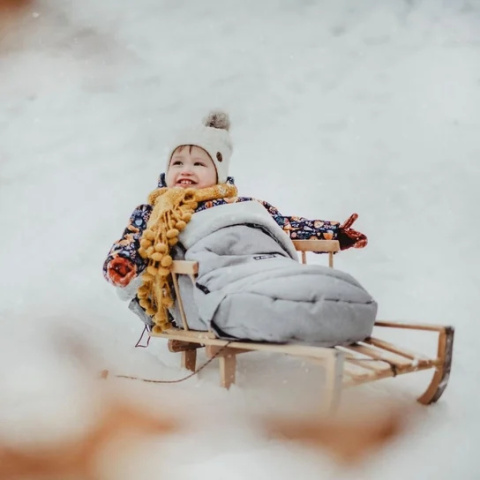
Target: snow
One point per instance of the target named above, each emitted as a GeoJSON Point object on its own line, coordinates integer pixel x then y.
{"type": "Point", "coordinates": [336, 107]}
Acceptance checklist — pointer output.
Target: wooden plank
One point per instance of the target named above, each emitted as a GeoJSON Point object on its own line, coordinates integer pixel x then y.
{"type": "Point", "coordinates": [208, 338]}
{"type": "Point", "coordinates": [356, 375]}
{"type": "Point", "coordinates": [371, 377]}
{"type": "Point", "coordinates": [184, 335]}
{"type": "Point", "coordinates": [411, 326]}
{"type": "Point", "coordinates": [395, 349]}
{"type": "Point", "coordinates": [356, 370]}
{"type": "Point", "coordinates": [357, 359]}
{"type": "Point", "coordinates": [371, 364]}
{"type": "Point", "coordinates": [372, 369]}
{"type": "Point", "coordinates": [184, 267]}
{"type": "Point", "coordinates": [385, 373]}
{"type": "Point", "coordinates": [316, 245]}
{"type": "Point", "coordinates": [372, 352]}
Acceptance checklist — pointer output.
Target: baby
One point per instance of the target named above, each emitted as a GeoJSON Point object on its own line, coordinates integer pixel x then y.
{"type": "Point", "coordinates": [179, 221]}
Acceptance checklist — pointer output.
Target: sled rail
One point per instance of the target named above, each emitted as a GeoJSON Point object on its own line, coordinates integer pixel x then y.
{"type": "Point", "coordinates": [412, 326]}
{"type": "Point", "coordinates": [345, 366]}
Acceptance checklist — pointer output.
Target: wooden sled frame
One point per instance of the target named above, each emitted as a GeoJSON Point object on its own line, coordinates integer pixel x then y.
{"type": "Point", "coordinates": [345, 366]}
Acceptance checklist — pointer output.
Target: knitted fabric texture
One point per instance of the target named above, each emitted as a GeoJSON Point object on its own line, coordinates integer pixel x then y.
{"type": "Point", "coordinates": [172, 210]}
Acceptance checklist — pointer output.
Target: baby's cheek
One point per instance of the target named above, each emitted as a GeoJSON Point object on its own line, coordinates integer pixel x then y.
{"type": "Point", "coordinates": [168, 178]}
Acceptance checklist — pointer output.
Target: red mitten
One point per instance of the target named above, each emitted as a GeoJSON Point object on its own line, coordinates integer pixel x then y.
{"type": "Point", "coordinates": [348, 237]}
{"type": "Point", "coordinates": [121, 271]}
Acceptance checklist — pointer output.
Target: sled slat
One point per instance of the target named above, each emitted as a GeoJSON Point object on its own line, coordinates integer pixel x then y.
{"type": "Point", "coordinates": [316, 245]}
{"type": "Point", "coordinates": [370, 377]}
{"type": "Point", "coordinates": [356, 379]}
{"type": "Point", "coordinates": [411, 326]}
{"type": "Point", "coordinates": [395, 349]}
{"type": "Point", "coordinates": [208, 338]}
{"type": "Point", "coordinates": [361, 360]}
{"type": "Point", "coordinates": [185, 335]}
{"type": "Point", "coordinates": [385, 372]}
{"type": "Point", "coordinates": [376, 366]}
{"type": "Point", "coordinates": [377, 354]}
{"type": "Point", "coordinates": [355, 371]}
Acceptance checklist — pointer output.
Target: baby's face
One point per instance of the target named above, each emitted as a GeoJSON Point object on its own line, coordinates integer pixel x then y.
{"type": "Point", "coordinates": [191, 167]}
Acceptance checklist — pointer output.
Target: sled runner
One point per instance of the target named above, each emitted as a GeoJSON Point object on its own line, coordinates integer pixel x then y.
{"type": "Point", "coordinates": [344, 366]}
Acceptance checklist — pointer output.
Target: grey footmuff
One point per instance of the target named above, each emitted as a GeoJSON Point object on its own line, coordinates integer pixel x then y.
{"type": "Point", "coordinates": [250, 285]}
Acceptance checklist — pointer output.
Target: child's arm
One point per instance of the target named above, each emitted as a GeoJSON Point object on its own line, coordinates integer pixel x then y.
{"type": "Point", "coordinates": [123, 263]}
{"type": "Point", "coordinates": [300, 228]}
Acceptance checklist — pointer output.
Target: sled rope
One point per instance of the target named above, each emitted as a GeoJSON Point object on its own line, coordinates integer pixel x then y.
{"type": "Point", "coordinates": [172, 210]}
{"type": "Point", "coordinates": [139, 341]}
{"type": "Point", "coordinates": [104, 374]}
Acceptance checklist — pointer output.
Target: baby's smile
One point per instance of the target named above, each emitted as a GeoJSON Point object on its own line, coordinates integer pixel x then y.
{"type": "Point", "coordinates": [185, 182]}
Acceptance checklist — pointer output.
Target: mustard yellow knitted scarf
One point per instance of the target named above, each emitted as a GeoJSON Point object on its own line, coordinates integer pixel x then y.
{"type": "Point", "coordinates": [172, 210]}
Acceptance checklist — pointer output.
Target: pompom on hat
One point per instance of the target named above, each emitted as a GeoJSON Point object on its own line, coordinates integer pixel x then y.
{"type": "Point", "coordinates": [214, 137]}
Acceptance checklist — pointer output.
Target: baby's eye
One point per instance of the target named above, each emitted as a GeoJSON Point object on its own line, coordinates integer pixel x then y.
{"type": "Point", "coordinates": [176, 162]}
{"type": "Point", "coordinates": [199, 164]}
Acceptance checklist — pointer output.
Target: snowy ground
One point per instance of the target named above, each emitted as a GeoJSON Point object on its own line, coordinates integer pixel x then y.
{"type": "Point", "coordinates": [336, 106]}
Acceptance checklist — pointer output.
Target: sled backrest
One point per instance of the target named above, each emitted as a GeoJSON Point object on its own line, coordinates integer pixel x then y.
{"type": "Point", "coordinates": [185, 267]}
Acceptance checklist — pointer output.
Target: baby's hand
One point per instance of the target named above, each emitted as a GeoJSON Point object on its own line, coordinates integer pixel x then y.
{"type": "Point", "coordinates": [121, 271]}
{"type": "Point", "coordinates": [348, 237]}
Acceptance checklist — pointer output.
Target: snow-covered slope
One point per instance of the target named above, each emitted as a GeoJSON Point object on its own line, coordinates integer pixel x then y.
{"type": "Point", "coordinates": [336, 106]}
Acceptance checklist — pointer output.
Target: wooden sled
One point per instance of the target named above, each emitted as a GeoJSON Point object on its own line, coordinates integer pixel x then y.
{"type": "Point", "coordinates": [345, 366]}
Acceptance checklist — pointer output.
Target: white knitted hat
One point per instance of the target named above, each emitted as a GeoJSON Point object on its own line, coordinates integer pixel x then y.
{"type": "Point", "coordinates": [213, 137]}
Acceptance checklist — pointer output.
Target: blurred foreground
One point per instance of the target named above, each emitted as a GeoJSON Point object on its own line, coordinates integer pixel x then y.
{"type": "Point", "coordinates": [60, 420]}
